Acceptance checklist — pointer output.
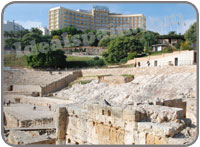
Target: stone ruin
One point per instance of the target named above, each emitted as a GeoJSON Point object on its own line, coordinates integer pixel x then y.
{"type": "Point", "coordinates": [97, 123]}
{"type": "Point", "coordinates": [162, 121]}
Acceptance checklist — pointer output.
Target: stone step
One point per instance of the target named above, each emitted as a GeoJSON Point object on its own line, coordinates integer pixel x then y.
{"type": "Point", "coordinates": [168, 129]}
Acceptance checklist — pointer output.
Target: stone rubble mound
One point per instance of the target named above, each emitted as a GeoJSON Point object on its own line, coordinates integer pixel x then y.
{"type": "Point", "coordinates": [142, 89]}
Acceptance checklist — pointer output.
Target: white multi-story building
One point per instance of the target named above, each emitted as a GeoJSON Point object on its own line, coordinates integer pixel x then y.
{"type": "Point", "coordinates": [12, 26]}
{"type": "Point", "coordinates": [99, 18]}
{"type": "Point", "coordinates": [44, 30]}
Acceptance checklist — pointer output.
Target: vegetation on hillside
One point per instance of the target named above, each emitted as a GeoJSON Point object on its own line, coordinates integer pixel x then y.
{"type": "Point", "coordinates": [49, 59]}
{"type": "Point", "coordinates": [191, 35]}
{"type": "Point", "coordinates": [11, 60]}
{"type": "Point", "coordinates": [120, 47]}
{"type": "Point", "coordinates": [80, 62]}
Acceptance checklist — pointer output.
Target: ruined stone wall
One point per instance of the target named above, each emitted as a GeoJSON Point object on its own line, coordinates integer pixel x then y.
{"type": "Point", "coordinates": [11, 121]}
{"type": "Point", "coordinates": [26, 88]}
{"type": "Point", "coordinates": [53, 86]}
{"type": "Point", "coordinates": [115, 79]}
{"type": "Point", "coordinates": [143, 124]}
{"type": "Point", "coordinates": [61, 83]}
{"type": "Point", "coordinates": [29, 137]}
{"type": "Point", "coordinates": [14, 122]}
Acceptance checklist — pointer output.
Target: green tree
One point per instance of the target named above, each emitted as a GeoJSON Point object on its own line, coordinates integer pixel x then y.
{"type": "Point", "coordinates": [191, 34]}
{"type": "Point", "coordinates": [121, 46]}
{"type": "Point", "coordinates": [46, 38]}
{"type": "Point", "coordinates": [70, 30]}
{"type": "Point", "coordinates": [147, 38]}
{"type": "Point", "coordinates": [172, 33]}
{"type": "Point", "coordinates": [56, 37]}
{"type": "Point", "coordinates": [28, 38]}
{"type": "Point", "coordinates": [56, 32]}
{"type": "Point", "coordinates": [9, 42]}
{"type": "Point", "coordinates": [37, 31]}
{"type": "Point", "coordinates": [178, 44]}
{"type": "Point", "coordinates": [21, 33]}
{"type": "Point", "coordinates": [132, 55]}
{"type": "Point", "coordinates": [9, 34]}
{"type": "Point", "coordinates": [185, 45]}
{"type": "Point", "coordinates": [50, 59]}
{"type": "Point", "coordinates": [104, 42]}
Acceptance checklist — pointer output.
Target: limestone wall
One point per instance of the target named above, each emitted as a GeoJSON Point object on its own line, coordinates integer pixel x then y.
{"type": "Point", "coordinates": [145, 124]}
{"type": "Point", "coordinates": [53, 86]}
{"type": "Point", "coordinates": [29, 137]}
{"type": "Point", "coordinates": [115, 79]}
{"type": "Point", "coordinates": [13, 121]}
{"type": "Point", "coordinates": [26, 88]}
{"type": "Point", "coordinates": [59, 84]}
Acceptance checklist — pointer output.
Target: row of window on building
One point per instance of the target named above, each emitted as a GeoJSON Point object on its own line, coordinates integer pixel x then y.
{"type": "Point", "coordinates": [90, 26]}
{"type": "Point", "coordinates": [99, 20]}
{"type": "Point", "coordinates": [102, 15]}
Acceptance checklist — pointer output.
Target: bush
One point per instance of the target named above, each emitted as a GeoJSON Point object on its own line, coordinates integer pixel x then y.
{"type": "Point", "coordinates": [127, 75]}
{"type": "Point", "coordinates": [124, 60]}
{"type": "Point", "coordinates": [132, 55]}
{"type": "Point", "coordinates": [185, 46]}
{"type": "Point", "coordinates": [167, 50]}
{"type": "Point", "coordinates": [50, 59]}
{"type": "Point", "coordinates": [96, 58]}
{"type": "Point", "coordinates": [105, 54]}
{"type": "Point", "coordinates": [87, 63]}
{"type": "Point", "coordinates": [104, 42]}
{"type": "Point", "coordinates": [178, 44]}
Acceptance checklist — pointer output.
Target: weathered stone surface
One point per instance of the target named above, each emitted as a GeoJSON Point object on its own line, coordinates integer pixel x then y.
{"type": "Point", "coordinates": [178, 103]}
{"type": "Point", "coordinates": [151, 139]}
{"type": "Point", "coordinates": [162, 113]}
{"type": "Point", "coordinates": [18, 115]}
{"type": "Point", "coordinates": [115, 79]}
{"type": "Point", "coordinates": [21, 137]}
{"type": "Point", "coordinates": [131, 119]}
{"type": "Point", "coordinates": [61, 125]}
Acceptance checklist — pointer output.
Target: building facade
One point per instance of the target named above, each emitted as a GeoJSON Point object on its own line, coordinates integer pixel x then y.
{"type": "Point", "coordinates": [99, 18]}
{"type": "Point", "coordinates": [12, 26]}
{"type": "Point", "coordinates": [44, 30]}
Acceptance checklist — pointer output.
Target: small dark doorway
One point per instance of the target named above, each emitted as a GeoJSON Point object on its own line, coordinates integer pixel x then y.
{"type": "Point", "coordinates": [138, 64]}
{"type": "Point", "coordinates": [155, 63]}
{"type": "Point", "coordinates": [176, 61]}
{"type": "Point", "coordinates": [195, 57]}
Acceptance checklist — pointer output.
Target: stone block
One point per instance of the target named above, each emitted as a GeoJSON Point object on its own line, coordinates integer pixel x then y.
{"type": "Point", "coordinates": [139, 137]}
{"type": "Point", "coordinates": [129, 138]}
{"type": "Point", "coordinates": [151, 139]}
{"type": "Point", "coordinates": [131, 115]}
{"type": "Point", "coordinates": [162, 113]}
{"type": "Point", "coordinates": [178, 103]}
{"type": "Point", "coordinates": [161, 130]}
{"type": "Point", "coordinates": [117, 112]}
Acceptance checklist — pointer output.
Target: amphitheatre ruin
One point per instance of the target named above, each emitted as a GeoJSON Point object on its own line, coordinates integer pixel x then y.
{"type": "Point", "coordinates": [158, 105]}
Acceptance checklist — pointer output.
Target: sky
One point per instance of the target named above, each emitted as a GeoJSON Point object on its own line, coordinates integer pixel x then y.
{"type": "Point", "coordinates": [160, 17]}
